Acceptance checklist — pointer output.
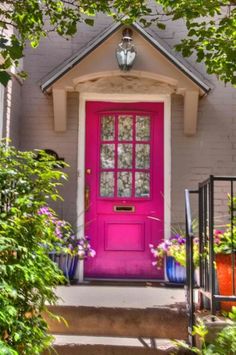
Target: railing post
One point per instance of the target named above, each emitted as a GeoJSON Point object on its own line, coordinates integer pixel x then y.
{"type": "Point", "coordinates": [232, 235]}
{"type": "Point", "coordinates": [211, 245]}
{"type": "Point", "coordinates": [189, 268]}
{"type": "Point", "coordinates": [201, 246]}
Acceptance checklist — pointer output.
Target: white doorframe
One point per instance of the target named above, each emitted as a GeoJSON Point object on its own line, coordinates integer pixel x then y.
{"type": "Point", "coordinates": [83, 98]}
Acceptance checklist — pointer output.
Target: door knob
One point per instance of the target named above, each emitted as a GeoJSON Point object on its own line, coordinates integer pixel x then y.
{"type": "Point", "coordinates": [88, 171]}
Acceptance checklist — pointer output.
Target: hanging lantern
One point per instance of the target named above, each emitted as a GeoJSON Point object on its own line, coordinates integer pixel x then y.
{"type": "Point", "coordinates": [126, 52]}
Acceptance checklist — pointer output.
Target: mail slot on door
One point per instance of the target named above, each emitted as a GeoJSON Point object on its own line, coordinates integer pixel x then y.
{"type": "Point", "coordinates": [124, 208]}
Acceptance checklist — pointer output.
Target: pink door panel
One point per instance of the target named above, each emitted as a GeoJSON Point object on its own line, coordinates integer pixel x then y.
{"type": "Point", "coordinates": [124, 186]}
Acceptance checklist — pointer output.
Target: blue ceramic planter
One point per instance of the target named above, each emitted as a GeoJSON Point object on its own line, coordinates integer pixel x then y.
{"type": "Point", "coordinates": [66, 263]}
{"type": "Point", "coordinates": [175, 272]}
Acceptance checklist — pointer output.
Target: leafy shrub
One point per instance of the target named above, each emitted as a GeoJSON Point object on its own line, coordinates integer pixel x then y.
{"type": "Point", "coordinates": [223, 344]}
{"type": "Point", "coordinates": [27, 275]}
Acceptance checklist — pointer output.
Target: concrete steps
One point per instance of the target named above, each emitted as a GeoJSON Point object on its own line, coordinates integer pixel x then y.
{"type": "Point", "coordinates": [114, 320]}
{"type": "Point", "coordinates": [81, 345]}
{"type": "Point", "coordinates": [160, 322]}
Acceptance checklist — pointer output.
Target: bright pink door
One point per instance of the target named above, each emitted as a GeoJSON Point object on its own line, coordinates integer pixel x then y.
{"type": "Point", "coordinates": [124, 188]}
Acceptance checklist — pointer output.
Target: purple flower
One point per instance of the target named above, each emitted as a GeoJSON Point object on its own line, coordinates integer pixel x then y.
{"type": "Point", "coordinates": [45, 211]}
{"type": "Point", "coordinates": [181, 240]}
{"type": "Point", "coordinates": [70, 246]}
{"type": "Point", "coordinates": [174, 236]}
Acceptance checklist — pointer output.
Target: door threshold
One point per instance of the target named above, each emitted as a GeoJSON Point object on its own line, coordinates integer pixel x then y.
{"type": "Point", "coordinates": [129, 282]}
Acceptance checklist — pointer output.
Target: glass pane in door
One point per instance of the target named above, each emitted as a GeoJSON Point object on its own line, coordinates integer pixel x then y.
{"type": "Point", "coordinates": [125, 156]}
{"type": "Point", "coordinates": [142, 156]}
{"type": "Point", "coordinates": [125, 128]}
{"type": "Point", "coordinates": [142, 184]}
{"type": "Point", "coordinates": [107, 156]}
{"type": "Point", "coordinates": [142, 128]}
{"type": "Point", "coordinates": [107, 184]}
{"type": "Point", "coordinates": [124, 184]}
{"type": "Point", "coordinates": [108, 128]}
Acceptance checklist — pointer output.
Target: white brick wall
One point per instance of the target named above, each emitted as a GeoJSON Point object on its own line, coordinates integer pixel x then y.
{"type": "Point", "coordinates": [37, 132]}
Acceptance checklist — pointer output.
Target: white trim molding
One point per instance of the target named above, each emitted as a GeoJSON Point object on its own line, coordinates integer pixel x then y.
{"type": "Point", "coordinates": [83, 98]}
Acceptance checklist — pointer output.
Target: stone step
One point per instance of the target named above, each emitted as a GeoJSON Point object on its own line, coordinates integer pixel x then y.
{"type": "Point", "coordinates": [123, 311]}
{"type": "Point", "coordinates": [159, 322]}
{"type": "Point", "coordinates": [81, 345]}
{"type": "Point", "coordinates": [127, 296]}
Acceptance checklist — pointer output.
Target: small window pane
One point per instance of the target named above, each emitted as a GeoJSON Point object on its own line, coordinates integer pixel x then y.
{"type": "Point", "coordinates": [108, 128]}
{"type": "Point", "coordinates": [107, 156]}
{"type": "Point", "coordinates": [142, 156]}
{"type": "Point", "coordinates": [125, 156]}
{"type": "Point", "coordinates": [107, 184]}
{"type": "Point", "coordinates": [142, 184]}
{"type": "Point", "coordinates": [142, 128]}
{"type": "Point", "coordinates": [124, 184]}
{"type": "Point", "coordinates": [125, 128]}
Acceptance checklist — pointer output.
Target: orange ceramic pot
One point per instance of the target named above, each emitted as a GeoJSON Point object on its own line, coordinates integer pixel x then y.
{"type": "Point", "coordinates": [224, 276]}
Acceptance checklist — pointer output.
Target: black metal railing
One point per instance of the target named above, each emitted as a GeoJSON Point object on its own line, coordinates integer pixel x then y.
{"type": "Point", "coordinates": [190, 266]}
{"type": "Point", "coordinates": [215, 193]}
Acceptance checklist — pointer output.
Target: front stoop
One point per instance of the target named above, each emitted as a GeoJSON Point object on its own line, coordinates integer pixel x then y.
{"type": "Point", "coordinates": [163, 322]}
{"type": "Point", "coordinates": [118, 321]}
{"type": "Point", "coordinates": [81, 345]}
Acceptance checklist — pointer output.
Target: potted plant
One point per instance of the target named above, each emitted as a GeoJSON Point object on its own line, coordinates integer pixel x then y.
{"type": "Point", "coordinates": [173, 251]}
{"type": "Point", "coordinates": [68, 248]}
{"type": "Point", "coordinates": [75, 250]}
{"type": "Point", "coordinates": [225, 256]}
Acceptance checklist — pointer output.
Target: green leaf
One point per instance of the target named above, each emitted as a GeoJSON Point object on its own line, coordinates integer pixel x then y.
{"type": "Point", "coordinates": [4, 77]}
{"type": "Point", "coordinates": [89, 21]}
{"type": "Point", "coordinates": [162, 26]}
{"type": "Point", "coordinates": [34, 43]}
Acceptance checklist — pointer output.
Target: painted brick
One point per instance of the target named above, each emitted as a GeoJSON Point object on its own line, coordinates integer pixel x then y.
{"type": "Point", "coordinates": [212, 150]}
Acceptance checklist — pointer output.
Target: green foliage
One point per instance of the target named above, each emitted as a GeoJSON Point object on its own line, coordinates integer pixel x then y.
{"type": "Point", "coordinates": [211, 26]}
{"type": "Point", "coordinates": [223, 344]}
{"type": "Point", "coordinates": [211, 33]}
{"type": "Point", "coordinates": [225, 242]}
{"type": "Point", "coordinates": [232, 314]}
{"type": "Point", "coordinates": [27, 275]}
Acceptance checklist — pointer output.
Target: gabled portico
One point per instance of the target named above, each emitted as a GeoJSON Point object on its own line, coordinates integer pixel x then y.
{"type": "Point", "coordinates": [156, 70]}
{"type": "Point", "coordinates": [156, 76]}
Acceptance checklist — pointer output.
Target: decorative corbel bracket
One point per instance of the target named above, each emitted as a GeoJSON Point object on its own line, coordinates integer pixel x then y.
{"type": "Point", "coordinates": [191, 99]}
{"type": "Point", "coordinates": [60, 109]}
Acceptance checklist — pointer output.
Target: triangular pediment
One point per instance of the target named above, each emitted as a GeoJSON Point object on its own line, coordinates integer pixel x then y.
{"type": "Point", "coordinates": [152, 57]}
{"type": "Point", "coordinates": [157, 70]}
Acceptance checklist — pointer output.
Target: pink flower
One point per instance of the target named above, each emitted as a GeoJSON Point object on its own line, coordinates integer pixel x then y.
{"type": "Point", "coordinates": [92, 253]}
{"type": "Point", "coordinates": [154, 252]}
{"type": "Point", "coordinates": [217, 236]}
{"type": "Point", "coordinates": [217, 232]}
{"type": "Point", "coordinates": [81, 253]}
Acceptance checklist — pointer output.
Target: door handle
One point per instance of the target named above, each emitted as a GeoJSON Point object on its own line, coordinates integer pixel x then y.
{"type": "Point", "coordinates": [86, 197]}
